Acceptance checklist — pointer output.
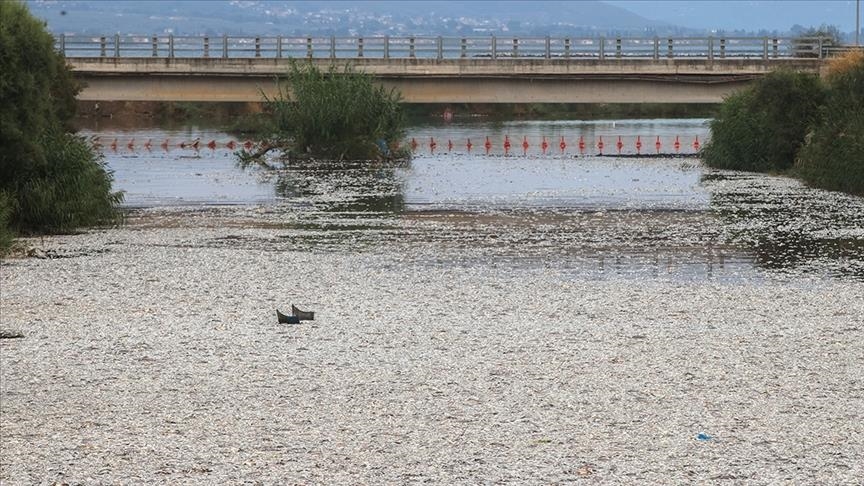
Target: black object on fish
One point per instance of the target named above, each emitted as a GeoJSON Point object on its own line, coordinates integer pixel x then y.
{"type": "Point", "coordinates": [283, 319]}
{"type": "Point", "coordinates": [302, 315]}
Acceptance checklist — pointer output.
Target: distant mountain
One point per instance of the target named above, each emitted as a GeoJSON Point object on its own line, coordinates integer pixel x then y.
{"type": "Point", "coordinates": [247, 17]}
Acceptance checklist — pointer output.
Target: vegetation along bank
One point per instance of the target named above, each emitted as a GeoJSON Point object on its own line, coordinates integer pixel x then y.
{"type": "Point", "coordinates": [797, 124]}
{"type": "Point", "coordinates": [51, 180]}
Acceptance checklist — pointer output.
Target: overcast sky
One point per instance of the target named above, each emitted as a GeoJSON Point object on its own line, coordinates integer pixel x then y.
{"type": "Point", "coordinates": [746, 14]}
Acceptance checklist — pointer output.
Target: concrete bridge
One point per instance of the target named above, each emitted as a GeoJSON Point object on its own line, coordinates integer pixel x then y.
{"type": "Point", "coordinates": [437, 69]}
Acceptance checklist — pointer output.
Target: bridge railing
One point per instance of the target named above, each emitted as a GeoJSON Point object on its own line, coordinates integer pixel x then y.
{"type": "Point", "coordinates": [432, 47]}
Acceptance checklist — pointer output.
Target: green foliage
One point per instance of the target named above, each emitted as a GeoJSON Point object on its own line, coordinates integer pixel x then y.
{"type": "Point", "coordinates": [761, 128]}
{"type": "Point", "coordinates": [834, 157]}
{"type": "Point", "coordinates": [73, 190]}
{"type": "Point", "coordinates": [54, 180]}
{"type": "Point", "coordinates": [5, 214]}
{"type": "Point", "coordinates": [336, 114]}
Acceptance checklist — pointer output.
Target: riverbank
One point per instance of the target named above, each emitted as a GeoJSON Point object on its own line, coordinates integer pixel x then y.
{"type": "Point", "coordinates": [245, 117]}
{"type": "Point", "coordinates": [152, 354]}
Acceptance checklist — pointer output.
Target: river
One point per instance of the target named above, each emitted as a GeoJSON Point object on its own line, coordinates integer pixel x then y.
{"type": "Point", "coordinates": [573, 206]}
{"type": "Point", "coordinates": [522, 318]}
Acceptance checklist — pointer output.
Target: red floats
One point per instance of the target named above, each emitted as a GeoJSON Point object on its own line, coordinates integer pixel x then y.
{"type": "Point", "coordinates": [619, 145]}
{"type": "Point", "coordinates": [658, 145]}
{"type": "Point", "coordinates": [696, 144]}
{"type": "Point", "coordinates": [600, 144]}
{"type": "Point", "coordinates": [544, 145]}
{"type": "Point", "coordinates": [562, 145]}
{"type": "Point", "coordinates": [638, 144]}
{"type": "Point", "coordinates": [677, 144]}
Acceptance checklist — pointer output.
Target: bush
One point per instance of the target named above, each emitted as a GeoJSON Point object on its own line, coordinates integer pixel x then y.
{"type": "Point", "coordinates": [5, 213]}
{"type": "Point", "coordinates": [336, 114]}
{"type": "Point", "coordinates": [52, 181]}
{"type": "Point", "coordinates": [834, 157]}
{"type": "Point", "coordinates": [73, 189]}
{"type": "Point", "coordinates": [762, 127]}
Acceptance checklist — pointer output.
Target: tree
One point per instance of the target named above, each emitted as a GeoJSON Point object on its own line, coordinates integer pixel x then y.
{"type": "Point", "coordinates": [334, 115]}
{"type": "Point", "coordinates": [50, 179]}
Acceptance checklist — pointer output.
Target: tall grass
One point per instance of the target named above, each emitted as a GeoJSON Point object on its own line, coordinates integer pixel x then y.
{"type": "Point", "coordinates": [72, 189]}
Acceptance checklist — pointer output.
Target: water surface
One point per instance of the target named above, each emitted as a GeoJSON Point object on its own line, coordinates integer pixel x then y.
{"type": "Point", "coordinates": [571, 210]}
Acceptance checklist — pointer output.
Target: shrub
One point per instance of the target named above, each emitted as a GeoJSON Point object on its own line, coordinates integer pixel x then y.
{"type": "Point", "coordinates": [834, 157]}
{"type": "Point", "coordinates": [72, 189]}
{"type": "Point", "coordinates": [53, 181]}
{"type": "Point", "coordinates": [841, 65]}
{"type": "Point", "coordinates": [762, 127]}
{"type": "Point", "coordinates": [5, 213]}
{"type": "Point", "coordinates": [336, 114]}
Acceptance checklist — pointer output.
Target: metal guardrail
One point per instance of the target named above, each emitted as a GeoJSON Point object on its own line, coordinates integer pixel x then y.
{"type": "Point", "coordinates": [430, 47]}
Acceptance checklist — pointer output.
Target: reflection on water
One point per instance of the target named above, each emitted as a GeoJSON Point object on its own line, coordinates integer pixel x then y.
{"type": "Point", "coordinates": [576, 214]}
{"type": "Point", "coordinates": [483, 182]}
{"type": "Point", "coordinates": [789, 227]}
{"type": "Point", "coordinates": [343, 187]}
{"type": "Point", "coordinates": [162, 168]}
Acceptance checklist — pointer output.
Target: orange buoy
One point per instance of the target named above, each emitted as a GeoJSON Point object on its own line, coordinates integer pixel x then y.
{"type": "Point", "coordinates": [657, 144]}
{"type": "Point", "coordinates": [562, 144]}
{"type": "Point", "coordinates": [581, 144]}
{"type": "Point", "coordinates": [638, 144]}
{"type": "Point", "coordinates": [600, 144]}
{"type": "Point", "coordinates": [544, 145]}
{"type": "Point", "coordinates": [677, 143]}
{"type": "Point", "coordinates": [696, 143]}
{"type": "Point", "coordinates": [231, 144]}
{"type": "Point", "coordinates": [619, 145]}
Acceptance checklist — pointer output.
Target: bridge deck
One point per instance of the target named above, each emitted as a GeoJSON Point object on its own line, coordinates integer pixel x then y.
{"type": "Point", "coordinates": [627, 73]}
